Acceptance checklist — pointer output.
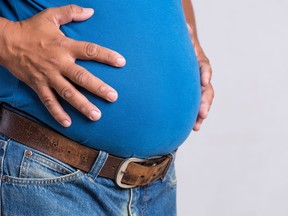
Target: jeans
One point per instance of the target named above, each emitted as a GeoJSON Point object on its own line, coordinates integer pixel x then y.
{"type": "Point", "coordinates": [33, 183]}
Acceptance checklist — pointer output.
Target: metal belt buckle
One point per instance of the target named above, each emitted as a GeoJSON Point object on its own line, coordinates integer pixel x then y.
{"type": "Point", "coordinates": [122, 170]}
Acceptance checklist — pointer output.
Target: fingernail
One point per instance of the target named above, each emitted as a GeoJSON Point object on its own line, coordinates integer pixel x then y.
{"type": "Point", "coordinates": [95, 115]}
{"type": "Point", "coordinates": [66, 123]}
{"type": "Point", "coordinates": [112, 96]}
{"type": "Point", "coordinates": [88, 10]}
{"type": "Point", "coordinates": [120, 61]}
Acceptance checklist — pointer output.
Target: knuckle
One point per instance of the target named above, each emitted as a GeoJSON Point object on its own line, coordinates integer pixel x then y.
{"type": "Point", "coordinates": [36, 81]}
{"type": "Point", "coordinates": [60, 42]}
{"type": "Point", "coordinates": [207, 59]}
{"type": "Point", "coordinates": [67, 93]}
{"type": "Point", "coordinates": [212, 95]}
{"type": "Point", "coordinates": [53, 61]}
{"type": "Point", "coordinates": [110, 56]}
{"type": "Point", "coordinates": [102, 88]}
{"type": "Point", "coordinates": [204, 62]}
{"type": "Point", "coordinates": [92, 50]}
{"type": "Point", "coordinates": [74, 8]}
{"type": "Point", "coordinates": [48, 102]}
{"type": "Point", "coordinates": [81, 77]}
{"type": "Point", "coordinates": [35, 87]}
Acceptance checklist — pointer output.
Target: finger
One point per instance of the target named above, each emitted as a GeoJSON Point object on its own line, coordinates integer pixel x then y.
{"type": "Point", "coordinates": [89, 51]}
{"type": "Point", "coordinates": [204, 109]}
{"type": "Point", "coordinates": [198, 124]}
{"type": "Point", "coordinates": [206, 72]}
{"type": "Point", "coordinates": [69, 93]}
{"type": "Point", "coordinates": [206, 101]}
{"type": "Point", "coordinates": [65, 14]}
{"type": "Point", "coordinates": [50, 101]}
{"type": "Point", "coordinates": [82, 77]}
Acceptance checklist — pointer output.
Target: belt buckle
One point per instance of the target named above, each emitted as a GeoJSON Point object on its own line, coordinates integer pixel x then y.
{"type": "Point", "coordinates": [122, 170]}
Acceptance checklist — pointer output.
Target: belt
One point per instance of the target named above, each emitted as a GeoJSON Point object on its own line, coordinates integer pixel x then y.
{"type": "Point", "coordinates": [127, 173]}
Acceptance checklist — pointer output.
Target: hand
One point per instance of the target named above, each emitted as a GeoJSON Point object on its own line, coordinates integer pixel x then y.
{"type": "Point", "coordinates": [39, 54]}
{"type": "Point", "coordinates": [206, 74]}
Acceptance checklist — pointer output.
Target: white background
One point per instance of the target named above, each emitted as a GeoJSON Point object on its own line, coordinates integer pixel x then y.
{"type": "Point", "coordinates": [237, 165]}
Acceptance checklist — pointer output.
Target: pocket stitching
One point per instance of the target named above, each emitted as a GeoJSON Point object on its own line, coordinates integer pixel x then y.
{"type": "Point", "coordinates": [44, 182]}
{"type": "Point", "coordinates": [48, 163]}
{"type": "Point", "coordinates": [23, 167]}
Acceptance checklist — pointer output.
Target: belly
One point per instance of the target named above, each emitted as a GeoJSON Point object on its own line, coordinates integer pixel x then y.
{"type": "Point", "coordinates": [159, 88]}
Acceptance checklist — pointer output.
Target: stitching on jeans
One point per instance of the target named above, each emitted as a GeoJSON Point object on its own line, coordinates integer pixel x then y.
{"type": "Point", "coordinates": [49, 163]}
{"type": "Point", "coordinates": [4, 142]}
{"type": "Point", "coordinates": [23, 167]}
{"type": "Point", "coordinates": [44, 182]}
{"type": "Point", "coordinates": [42, 161]}
{"type": "Point", "coordinates": [173, 183]}
{"type": "Point", "coordinates": [26, 166]}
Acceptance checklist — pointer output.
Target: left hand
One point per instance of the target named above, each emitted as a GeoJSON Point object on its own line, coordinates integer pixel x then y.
{"type": "Point", "coordinates": [206, 74]}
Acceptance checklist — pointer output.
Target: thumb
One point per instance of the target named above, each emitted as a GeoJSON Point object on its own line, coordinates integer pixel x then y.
{"type": "Point", "coordinates": [65, 14]}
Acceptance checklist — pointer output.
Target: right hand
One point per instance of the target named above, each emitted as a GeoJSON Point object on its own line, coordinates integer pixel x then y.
{"type": "Point", "coordinates": [40, 55]}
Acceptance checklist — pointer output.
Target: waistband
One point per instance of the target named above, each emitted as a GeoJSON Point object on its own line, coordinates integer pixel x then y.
{"type": "Point", "coordinates": [126, 172]}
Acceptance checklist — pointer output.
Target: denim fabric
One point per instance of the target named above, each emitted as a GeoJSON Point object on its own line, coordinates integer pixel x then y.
{"type": "Point", "coordinates": [34, 183]}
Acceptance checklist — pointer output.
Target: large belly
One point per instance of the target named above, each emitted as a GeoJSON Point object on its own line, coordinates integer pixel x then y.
{"type": "Point", "coordinates": [159, 88]}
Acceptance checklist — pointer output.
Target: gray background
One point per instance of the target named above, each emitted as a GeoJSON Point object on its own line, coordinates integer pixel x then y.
{"type": "Point", "coordinates": [237, 165]}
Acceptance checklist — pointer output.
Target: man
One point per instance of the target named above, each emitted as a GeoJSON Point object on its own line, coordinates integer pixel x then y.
{"type": "Point", "coordinates": [121, 163]}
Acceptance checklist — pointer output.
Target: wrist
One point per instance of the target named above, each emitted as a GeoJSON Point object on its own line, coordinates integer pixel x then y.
{"type": "Point", "coordinates": [193, 32]}
{"type": "Point", "coordinates": [201, 56]}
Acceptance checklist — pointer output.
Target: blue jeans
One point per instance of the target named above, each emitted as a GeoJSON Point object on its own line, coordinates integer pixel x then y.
{"type": "Point", "coordinates": [34, 183]}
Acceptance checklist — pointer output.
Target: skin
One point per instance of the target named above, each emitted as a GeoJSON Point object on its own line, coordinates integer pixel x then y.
{"type": "Point", "coordinates": [38, 39]}
{"type": "Point", "coordinates": [205, 67]}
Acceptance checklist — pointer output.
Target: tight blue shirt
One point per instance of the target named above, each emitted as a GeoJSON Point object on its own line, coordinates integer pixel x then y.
{"type": "Point", "coordinates": [159, 88]}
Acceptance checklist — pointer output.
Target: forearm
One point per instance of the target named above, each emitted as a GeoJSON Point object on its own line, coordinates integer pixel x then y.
{"type": "Point", "coordinates": [3, 23]}
{"type": "Point", "coordinates": [190, 17]}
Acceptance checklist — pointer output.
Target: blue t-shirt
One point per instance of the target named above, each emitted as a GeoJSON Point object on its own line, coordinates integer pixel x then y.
{"type": "Point", "coordinates": [159, 88]}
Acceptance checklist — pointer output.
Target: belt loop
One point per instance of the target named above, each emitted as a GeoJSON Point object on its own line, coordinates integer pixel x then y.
{"type": "Point", "coordinates": [173, 155]}
{"type": "Point", "coordinates": [98, 165]}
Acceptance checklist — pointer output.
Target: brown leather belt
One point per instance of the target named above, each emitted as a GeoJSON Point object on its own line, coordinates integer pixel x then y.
{"type": "Point", "coordinates": [127, 173]}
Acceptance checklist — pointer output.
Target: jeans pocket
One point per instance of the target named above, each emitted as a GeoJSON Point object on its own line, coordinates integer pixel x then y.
{"type": "Point", "coordinates": [36, 165]}
{"type": "Point", "coordinates": [34, 183]}
{"type": "Point", "coordinates": [23, 165]}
